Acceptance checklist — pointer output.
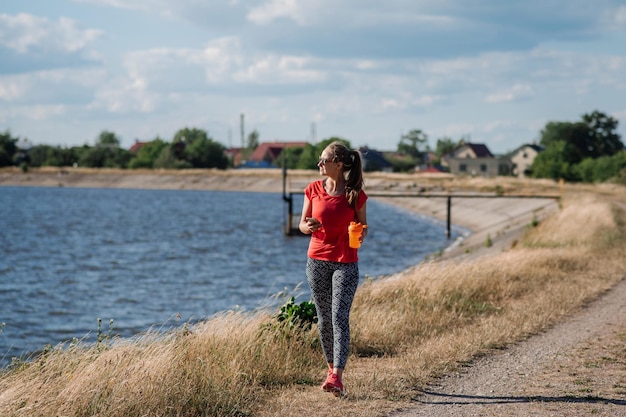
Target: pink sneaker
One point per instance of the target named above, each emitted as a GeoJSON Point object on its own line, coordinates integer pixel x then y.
{"type": "Point", "coordinates": [334, 385]}
{"type": "Point", "coordinates": [325, 384]}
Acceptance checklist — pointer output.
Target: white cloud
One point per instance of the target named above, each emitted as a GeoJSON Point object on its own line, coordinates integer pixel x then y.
{"type": "Point", "coordinates": [514, 93]}
{"type": "Point", "coordinates": [121, 4]}
{"type": "Point", "coordinates": [620, 115]}
{"type": "Point", "coordinates": [351, 13]}
{"type": "Point", "coordinates": [221, 63]}
{"type": "Point", "coordinates": [275, 9]}
{"type": "Point", "coordinates": [390, 103]}
{"type": "Point", "coordinates": [45, 112]}
{"type": "Point", "coordinates": [457, 130]}
{"type": "Point", "coordinates": [118, 96]}
{"type": "Point", "coordinates": [495, 125]}
{"type": "Point", "coordinates": [271, 70]}
{"type": "Point", "coordinates": [157, 77]}
{"type": "Point", "coordinates": [617, 18]}
{"type": "Point", "coordinates": [73, 85]}
{"type": "Point", "coordinates": [35, 113]}
{"type": "Point", "coordinates": [10, 90]}
{"type": "Point", "coordinates": [25, 33]}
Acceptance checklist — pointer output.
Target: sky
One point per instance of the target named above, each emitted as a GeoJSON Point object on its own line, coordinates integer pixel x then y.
{"type": "Point", "coordinates": [369, 71]}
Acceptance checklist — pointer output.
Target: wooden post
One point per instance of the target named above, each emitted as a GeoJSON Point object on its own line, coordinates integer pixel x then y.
{"type": "Point", "coordinates": [449, 217]}
{"type": "Point", "coordinates": [284, 180]}
{"type": "Point", "coordinates": [290, 230]}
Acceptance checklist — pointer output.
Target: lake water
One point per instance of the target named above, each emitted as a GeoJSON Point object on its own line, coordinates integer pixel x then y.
{"type": "Point", "coordinates": [159, 258]}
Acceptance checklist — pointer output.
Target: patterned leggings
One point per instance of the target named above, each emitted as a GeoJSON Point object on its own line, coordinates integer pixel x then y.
{"type": "Point", "coordinates": [333, 285]}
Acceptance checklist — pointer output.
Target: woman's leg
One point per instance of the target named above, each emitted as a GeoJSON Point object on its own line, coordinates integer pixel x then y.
{"type": "Point", "coordinates": [320, 278]}
{"type": "Point", "coordinates": [345, 283]}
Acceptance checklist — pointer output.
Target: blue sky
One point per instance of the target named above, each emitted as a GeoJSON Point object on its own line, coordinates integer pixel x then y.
{"type": "Point", "coordinates": [368, 71]}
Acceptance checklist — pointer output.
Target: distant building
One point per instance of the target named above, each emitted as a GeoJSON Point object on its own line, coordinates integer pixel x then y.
{"type": "Point", "coordinates": [136, 147]}
{"type": "Point", "coordinates": [234, 155]}
{"type": "Point", "coordinates": [430, 169]}
{"type": "Point", "coordinates": [476, 159]}
{"type": "Point", "coordinates": [24, 144]}
{"type": "Point", "coordinates": [266, 155]}
{"type": "Point", "coordinates": [523, 157]}
{"type": "Point", "coordinates": [374, 160]}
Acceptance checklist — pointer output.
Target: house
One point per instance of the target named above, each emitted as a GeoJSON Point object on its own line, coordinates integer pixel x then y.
{"type": "Point", "coordinates": [476, 159]}
{"type": "Point", "coordinates": [523, 158]}
{"type": "Point", "coordinates": [234, 155]}
{"type": "Point", "coordinates": [374, 160]}
{"type": "Point", "coordinates": [267, 153]}
{"type": "Point", "coordinates": [136, 146]}
{"type": "Point", "coordinates": [430, 169]}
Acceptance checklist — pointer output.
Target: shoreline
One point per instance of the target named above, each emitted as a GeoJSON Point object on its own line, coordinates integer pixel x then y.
{"type": "Point", "coordinates": [494, 224]}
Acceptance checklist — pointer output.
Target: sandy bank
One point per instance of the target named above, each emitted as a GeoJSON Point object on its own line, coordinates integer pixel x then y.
{"type": "Point", "coordinates": [240, 180]}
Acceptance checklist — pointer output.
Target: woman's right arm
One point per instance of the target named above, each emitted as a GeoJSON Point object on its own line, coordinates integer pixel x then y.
{"type": "Point", "coordinates": [308, 224]}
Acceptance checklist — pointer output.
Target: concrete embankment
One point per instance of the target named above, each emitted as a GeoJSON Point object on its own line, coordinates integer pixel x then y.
{"type": "Point", "coordinates": [495, 223]}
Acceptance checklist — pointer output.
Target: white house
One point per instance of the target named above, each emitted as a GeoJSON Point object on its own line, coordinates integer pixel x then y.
{"type": "Point", "coordinates": [523, 158]}
{"type": "Point", "coordinates": [476, 159]}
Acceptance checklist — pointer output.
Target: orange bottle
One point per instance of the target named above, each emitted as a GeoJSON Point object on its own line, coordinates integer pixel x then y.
{"type": "Point", "coordinates": [355, 230]}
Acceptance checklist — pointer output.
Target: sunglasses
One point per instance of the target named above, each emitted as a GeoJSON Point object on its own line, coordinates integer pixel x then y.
{"type": "Point", "coordinates": [323, 161]}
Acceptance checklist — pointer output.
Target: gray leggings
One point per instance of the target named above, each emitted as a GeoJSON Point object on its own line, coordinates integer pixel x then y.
{"type": "Point", "coordinates": [333, 285]}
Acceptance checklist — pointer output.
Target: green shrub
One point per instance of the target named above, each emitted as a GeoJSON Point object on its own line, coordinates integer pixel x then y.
{"type": "Point", "coordinates": [301, 315]}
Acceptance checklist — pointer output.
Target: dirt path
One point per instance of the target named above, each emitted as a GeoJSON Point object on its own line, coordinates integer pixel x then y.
{"type": "Point", "coordinates": [576, 368]}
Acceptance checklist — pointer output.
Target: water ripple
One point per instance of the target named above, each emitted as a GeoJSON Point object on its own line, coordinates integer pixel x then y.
{"type": "Point", "coordinates": [69, 256]}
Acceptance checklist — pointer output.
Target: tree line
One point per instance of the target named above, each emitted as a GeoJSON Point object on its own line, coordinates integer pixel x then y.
{"type": "Point", "coordinates": [190, 148]}
{"type": "Point", "coordinates": [588, 150]}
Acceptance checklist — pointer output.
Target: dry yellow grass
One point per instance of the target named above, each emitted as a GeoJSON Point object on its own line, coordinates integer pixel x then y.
{"type": "Point", "coordinates": [406, 330]}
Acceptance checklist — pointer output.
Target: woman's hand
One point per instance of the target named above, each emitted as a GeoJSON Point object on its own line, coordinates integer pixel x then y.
{"type": "Point", "coordinates": [363, 233]}
{"type": "Point", "coordinates": [312, 224]}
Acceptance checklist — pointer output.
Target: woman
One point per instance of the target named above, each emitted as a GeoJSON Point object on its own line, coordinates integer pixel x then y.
{"type": "Point", "coordinates": [332, 266]}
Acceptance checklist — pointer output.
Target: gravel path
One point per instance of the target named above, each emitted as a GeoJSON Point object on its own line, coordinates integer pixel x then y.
{"type": "Point", "coordinates": [576, 368]}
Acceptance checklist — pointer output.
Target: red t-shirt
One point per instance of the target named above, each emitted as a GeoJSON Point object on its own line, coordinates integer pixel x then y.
{"type": "Point", "coordinates": [330, 242]}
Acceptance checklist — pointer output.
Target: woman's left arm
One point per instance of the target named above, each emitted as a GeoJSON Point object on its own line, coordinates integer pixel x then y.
{"type": "Point", "coordinates": [361, 217]}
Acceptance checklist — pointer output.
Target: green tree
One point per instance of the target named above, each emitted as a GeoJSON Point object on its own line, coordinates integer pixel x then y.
{"type": "Point", "coordinates": [592, 137]}
{"type": "Point", "coordinates": [107, 138]}
{"type": "Point", "coordinates": [567, 137]}
{"type": "Point", "coordinates": [412, 144]}
{"type": "Point", "coordinates": [553, 163]}
{"type": "Point", "coordinates": [251, 144]}
{"type": "Point", "coordinates": [206, 153]}
{"type": "Point", "coordinates": [571, 149]}
{"type": "Point", "coordinates": [55, 156]}
{"type": "Point", "coordinates": [443, 147]}
{"type": "Point", "coordinates": [196, 148]}
{"type": "Point", "coordinates": [291, 157]}
{"type": "Point", "coordinates": [311, 153]}
{"type": "Point", "coordinates": [253, 140]}
{"type": "Point", "coordinates": [105, 157]}
{"type": "Point", "coordinates": [602, 169]}
{"type": "Point", "coordinates": [8, 148]}
{"type": "Point", "coordinates": [105, 154]}
{"type": "Point", "coordinates": [183, 138]}
{"type": "Point", "coordinates": [604, 141]}
{"type": "Point", "coordinates": [320, 146]}
{"type": "Point", "coordinates": [309, 157]}
{"type": "Point", "coordinates": [167, 159]}
{"type": "Point", "coordinates": [79, 152]}
{"type": "Point", "coordinates": [402, 164]}
{"type": "Point", "coordinates": [148, 154]}
{"type": "Point", "coordinates": [189, 136]}
{"type": "Point", "coordinates": [39, 155]}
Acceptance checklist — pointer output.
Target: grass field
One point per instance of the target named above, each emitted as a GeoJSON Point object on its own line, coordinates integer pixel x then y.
{"type": "Point", "coordinates": [405, 331]}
